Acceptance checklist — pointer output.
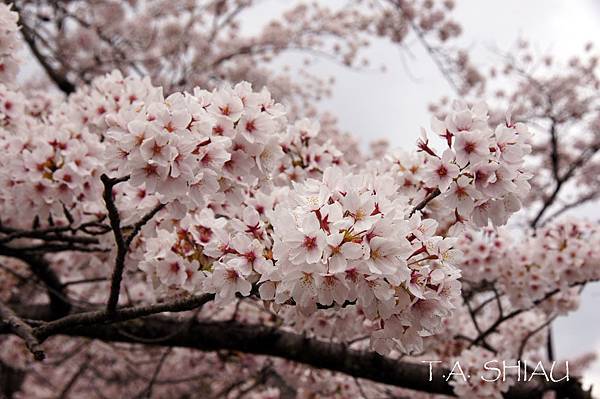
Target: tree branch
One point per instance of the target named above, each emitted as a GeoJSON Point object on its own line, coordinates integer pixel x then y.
{"type": "Point", "coordinates": [531, 334]}
{"type": "Point", "coordinates": [425, 201]}
{"type": "Point", "coordinates": [119, 315]}
{"type": "Point", "coordinates": [82, 369]}
{"type": "Point", "coordinates": [580, 161]}
{"type": "Point", "coordinates": [554, 157]}
{"type": "Point", "coordinates": [272, 341]}
{"type": "Point", "coordinates": [23, 330]}
{"type": "Point", "coordinates": [145, 219]}
{"type": "Point", "coordinates": [59, 79]}
{"type": "Point", "coordinates": [147, 392]}
{"type": "Point", "coordinates": [41, 269]}
{"type": "Point", "coordinates": [115, 223]}
{"type": "Point", "coordinates": [493, 328]}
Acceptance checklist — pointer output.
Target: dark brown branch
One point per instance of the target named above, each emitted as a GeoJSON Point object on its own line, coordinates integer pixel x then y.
{"type": "Point", "coordinates": [271, 341]}
{"type": "Point", "coordinates": [531, 334]}
{"type": "Point", "coordinates": [554, 148]}
{"type": "Point", "coordinates": [570, 205]}
{"type": "Point", "coordinates": [122, 242]}
{"type": "Point", "coordinates": [90, 280]}
{"type": "Point", "coordinates": [498, 300]}
{"type": "Point", "coordinates": [579, 162]}
{"type": "Point", "coordinates": [115, 223]}
{"type": "Point", "coordinates": [49, 233]}
{"type": "Point", "coordinates": [71, 383]}
{"type": "Point", "coordinates": [286, 391]}
{"type": "Point", "coordinates": [23, 330]}
{"type": "Point", "coordinates": [48, 236]}
{"type": "Point", "coordinates": [147, 392]}
{"type": "Point", "coordinates": [41, 269]}
{"type": "Point", "coordinates": [119, 315]}
{"type": "Point", "coordinates": [472, 314]}
{"type": "Point", "coordinates": [493, 328]}
{"type": "Point", "coordinates": [51, 247]}
{"type": "Point", "coordinates": [145, 219]}
{"type": "Point", "coordinates": [547, 202]}
{"type": "Point", "coordinates": [550, 344]}
{"type": "Point", "coordinates": [256, 339]}
{"type": "Point", "coordinates": [58, 78]}
{"type": "Point", "coordinates": [11, 380]}
{"type": "Point", "coordinates": [483, 304]}
{"type": "Point", "coordinates": [425, 201]}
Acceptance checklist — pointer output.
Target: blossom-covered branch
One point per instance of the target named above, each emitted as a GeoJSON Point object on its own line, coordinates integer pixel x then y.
{"type": "Point", "coordinates": [289, 262]}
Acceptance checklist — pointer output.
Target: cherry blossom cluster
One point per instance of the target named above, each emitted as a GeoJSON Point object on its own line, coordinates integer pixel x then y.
{"type": "Point", "coordinates": [255, 207]}
{"type": "Point", "coordinates": [482, 251]}
{"type": "Point", "coordinates": [187, 147]}
{"type": "Point", "coordinates": [308, 152]}
{"type": "Point", "coordinates": [56, 174]}
{"type": "Point", "coordinates": [9, 44]}
{"type": "Point", "coordinates": [345, 239]}
{"type": "Point", "coordinates": [207, 45]}
{"type": "Point", "coordinates": [12, 110]}
{"type": "Point", "coordinates": [109, 94]}
{"type": "Point", "coordinates": [334, 239]}
{"type": "Point", "coordinates": [408, 170]}
{"type": "Point", "coordinates": [556, 97]}
{"type": "Point", "coordinates": [559, 256]}
{"type": "Point", "coordinates": [200, 44]}
{"type": "Point", "coordinates": [480, 173]}
{"type": "Point", "coordinates": [175, 258]}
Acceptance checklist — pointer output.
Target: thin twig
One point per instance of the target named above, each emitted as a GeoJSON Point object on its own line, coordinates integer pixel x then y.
{"type": "Point", "coordinates": [85, 281]}
{"type": "Point", "coordinates": [515, 313]}
{"type": "Point", "coordinates": [71, 383]}
{"type": "Point", "coordinates": [147, 392]}
{"type": "Point", "coordinates": [56, 76]}
{"type": "Point", "coordinates": [59, 302]}
{"type": "Point", "coordinates": [425, 201]}
{"type": "Point", "coordinates": [145, 219]}
{"type": "Point", "coordinates": [531, 334]}
{"type": "Point", "coordinates": [585, 156]}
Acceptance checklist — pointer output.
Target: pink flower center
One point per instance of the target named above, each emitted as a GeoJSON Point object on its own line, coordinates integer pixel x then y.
{"type": "Point", "coordinates": [225, 110]}
{"type": "Point", "coordinates": [469, 147]}
{"type": "Point", "coordinates": [231, 275]}
{"type": "Point", "coordinates": [442, 171]}
{"type": "Point", "coordinates": [150, 170]}
{"type": "Point", "coordinates": [250, 257]}
{"type": "Point", "coordinates": [250, 126]}
{"type": "Point", "coordinates": [310, 242]}
{"type": "Point", "coordinates": [174, 267]}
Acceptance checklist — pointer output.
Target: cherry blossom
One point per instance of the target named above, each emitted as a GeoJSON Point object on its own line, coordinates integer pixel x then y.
{"type": "Point", "coordinates": [481, 174]}
{"type": "Point", "coordinates": [9, 44]}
